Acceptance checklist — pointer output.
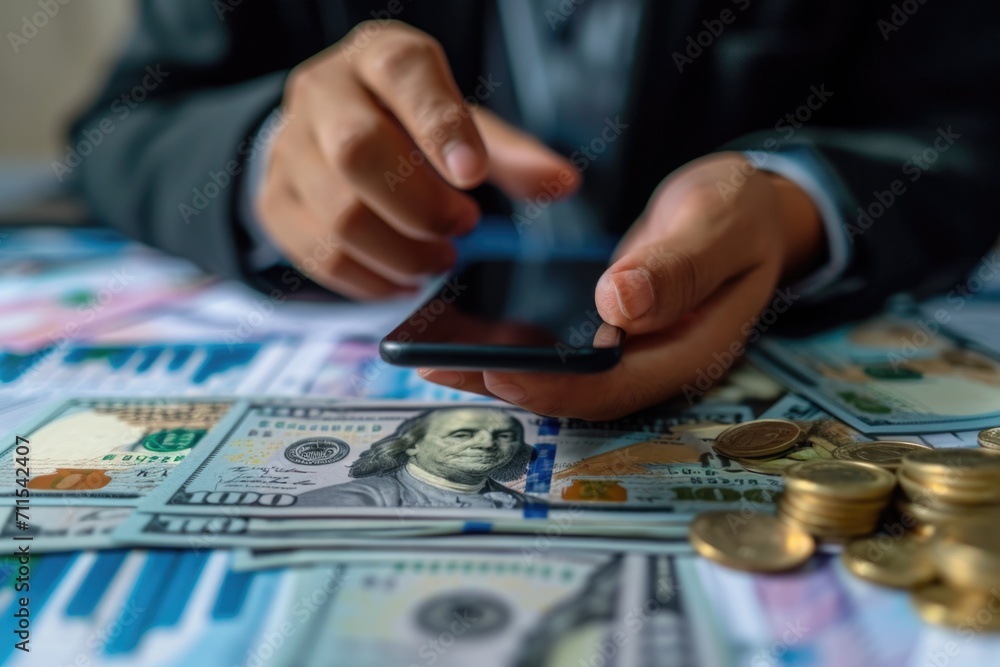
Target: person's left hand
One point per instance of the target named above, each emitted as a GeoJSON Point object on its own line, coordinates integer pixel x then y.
{"type": "Point", "coordinates": [690, 279]}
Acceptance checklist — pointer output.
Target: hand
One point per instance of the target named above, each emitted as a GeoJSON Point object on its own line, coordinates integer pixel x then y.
{"type": "Point", "coordinates": [374, 158]}
{"type": "Point", "coordinates": [690, 278]}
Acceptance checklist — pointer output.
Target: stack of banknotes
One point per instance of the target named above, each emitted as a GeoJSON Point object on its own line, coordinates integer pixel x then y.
{"type": "Point", "coordinates": [273, 530]}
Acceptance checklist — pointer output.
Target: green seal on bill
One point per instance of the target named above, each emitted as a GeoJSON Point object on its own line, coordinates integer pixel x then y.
{"type": "Point", "coordinates": [173, 440]}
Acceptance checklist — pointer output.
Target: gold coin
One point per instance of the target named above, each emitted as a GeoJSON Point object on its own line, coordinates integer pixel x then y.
{"type": "Point", "coordinates": [928, 514]}
{"type": "Point", "coordinates": [761, 543]}
{"type": "Point", "coordinates": [757, 439]}
{"type": "Point", "coordinates": [951, 463]}
{"type": "Point", "coordinates": [957, 609]}
{"type": "Point", "coordinates": [901, 562]}
{"type": "Point", "coordinates": [990, 438]}
{"type": "Point", "coordinates": [937, 494]}
{"type": "Point", "coordinates": [843, 479]}
{"type": "Point", "coordinates": [888, 454]}
{"type": "Point", "coordinates": [956, 478]}
{"type": "Point", "coordinates": [834, 507]}
{"type": "Point", "coordinates": [855, 522]}
{"type": "Point", "coordinates": [826, 533]}
{"type": "Point", "coordinates": [968, 559]}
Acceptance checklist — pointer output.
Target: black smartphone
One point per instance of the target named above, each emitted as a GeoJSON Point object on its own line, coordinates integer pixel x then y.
{"type": "Point", "coordinates": [510, 314]}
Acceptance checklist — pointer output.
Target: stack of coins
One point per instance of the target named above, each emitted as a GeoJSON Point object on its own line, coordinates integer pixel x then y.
{"type": "Point", "coordinates": [759, 440]}
{"type": "Point", "coordinates": [946, 489]}
{"type": "Point", "coordinates": [953, 495]}
{"type": "Point", "coordinates": [835, 500]}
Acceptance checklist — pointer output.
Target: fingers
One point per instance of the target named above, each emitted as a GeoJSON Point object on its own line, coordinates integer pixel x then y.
{"type": "Point", "coordinates": [364, 235]}
{"type": "Point", "coordinates": [471, 381]}
{"type": "Point", "coordinates": [522, 166]}
{"type": "Point", "coordinates": [655, 283]}
{"type": "Point", "coordinates": [408, 72]}
{"type": "Point", "coordinates": [315, 252]}
{"type": "Point", "coordinates": [653, 368]}
{"type": "Point", "coordinates": [375, 158]}
{"type": "Point", "coordinates": [381, 248]}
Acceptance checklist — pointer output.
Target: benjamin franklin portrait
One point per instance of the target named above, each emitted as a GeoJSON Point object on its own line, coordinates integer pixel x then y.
{"type": "Point", "coordinates": [447, 457]}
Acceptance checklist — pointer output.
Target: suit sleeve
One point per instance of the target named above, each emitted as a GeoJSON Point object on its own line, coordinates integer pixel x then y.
{"type": "Point", "coordinates": [174, 127]}
{"type": "Point", "coordinates": [912, 154]}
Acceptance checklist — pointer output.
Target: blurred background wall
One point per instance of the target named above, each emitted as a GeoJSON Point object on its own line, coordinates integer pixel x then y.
{"type": "Point", "coordinates": [51, 63]}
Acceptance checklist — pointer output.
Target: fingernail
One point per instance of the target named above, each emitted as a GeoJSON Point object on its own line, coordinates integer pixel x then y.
{"type": "Point", "coordinates": [462, 162]}
{"type": "Point", "coordinates": [634, 292]}
{"type": "Point", "coordinates": [509, 392]}
{"type": "Point", "coordinates": [449, 378]}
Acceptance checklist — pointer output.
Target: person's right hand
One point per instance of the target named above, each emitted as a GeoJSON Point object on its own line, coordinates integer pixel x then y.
{"type": "Point", "coordinates": [360, 118]}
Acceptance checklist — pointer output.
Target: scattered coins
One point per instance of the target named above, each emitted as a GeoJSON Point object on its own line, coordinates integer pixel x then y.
{"type": "Point", "coordinates": [990, 438]}
{"type": "Point", "coordinates": [886, 454]}
{"type": "Point", "coordinates": [760, 543]}
{"type": "Point", "coordinates": [942, 534]}
{"type": "Point", "coordinates": [759, 439]}
{"type": "Point", "coordinates": [900, 562]}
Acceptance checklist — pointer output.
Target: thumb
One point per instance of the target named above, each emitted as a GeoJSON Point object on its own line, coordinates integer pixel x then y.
{"type": "Point", "coordinates": [656, 284]}
{"type": "Point", "coordinates": [521, 165]}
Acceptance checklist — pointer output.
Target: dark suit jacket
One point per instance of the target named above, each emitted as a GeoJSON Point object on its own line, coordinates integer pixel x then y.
{"type": "Point", "coordinates": [896, 78]}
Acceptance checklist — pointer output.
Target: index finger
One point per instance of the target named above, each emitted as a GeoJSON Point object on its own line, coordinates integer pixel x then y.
{"type": "Point", "coordinates": [407, 70]}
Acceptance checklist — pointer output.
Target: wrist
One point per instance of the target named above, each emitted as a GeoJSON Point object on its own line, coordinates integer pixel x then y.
{"type": "Point", "coordinates": [800, 225]}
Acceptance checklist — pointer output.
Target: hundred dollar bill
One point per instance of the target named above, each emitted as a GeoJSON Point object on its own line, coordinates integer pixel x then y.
{"type": "Point", "coordinates": [503, 612]}
{"type": "Point", "coordinates": [400, 461]}
{"type": "Point", "coordinates": [105, 451]}
{"type": "Point", "coordinates": [63, 528]}
{"type": "Point", "coordinates": [187, 531]}
{"type": "Point", "coordinates": [246, 560]}
{"type": "Point", "coordinates": [890, 375]}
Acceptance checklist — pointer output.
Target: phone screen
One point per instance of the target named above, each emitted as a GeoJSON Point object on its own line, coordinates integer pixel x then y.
{"type": "Point", "coordinates": [523, 304]}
